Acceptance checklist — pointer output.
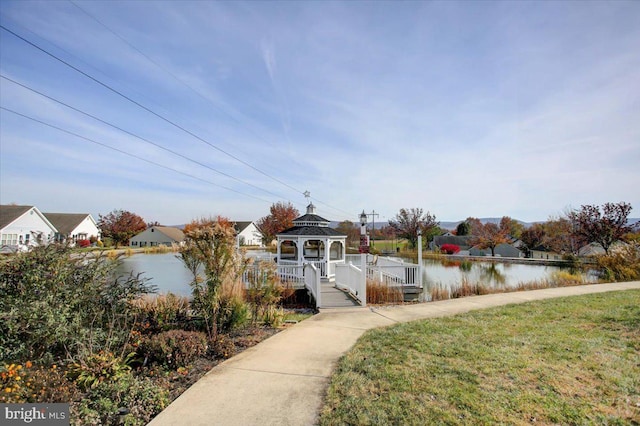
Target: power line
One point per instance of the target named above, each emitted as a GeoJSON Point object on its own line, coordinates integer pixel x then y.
{"type": "Point", "coordinates": [124, 40]}
{"type": "Point", "coordinates": [162, 117]}
{"type": "Point", "coordinates": [139, 137]}
{"type": "Point", "coordinates": [128, 153]}
{"type": "Point", "coordinates": [106, 86]}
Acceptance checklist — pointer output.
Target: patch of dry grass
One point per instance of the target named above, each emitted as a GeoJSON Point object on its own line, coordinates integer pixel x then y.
{"type": "Point", "coordinates": [562, 361]}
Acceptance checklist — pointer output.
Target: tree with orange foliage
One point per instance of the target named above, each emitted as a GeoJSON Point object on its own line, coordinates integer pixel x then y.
{"type": "Point", "coordinates": [120, 226]}
{"type": "Point", "coordinates": [280, 217]}
{"type": "Point", "coordinates": [488, 235]}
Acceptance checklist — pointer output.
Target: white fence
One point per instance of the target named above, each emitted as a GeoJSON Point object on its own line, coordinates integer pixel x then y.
{"type": "Point", "coordinates": [291, 276]}
{"type": "Point", "coordinates": [389, 271]}
{"type": "Point", "coordinates": [349, 277]}
{"type": "Point", "coordinates": [312, 282]}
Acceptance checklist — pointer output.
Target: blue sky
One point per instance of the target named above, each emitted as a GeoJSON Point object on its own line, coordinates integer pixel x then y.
{"type": "Point", "coordinates": [463, 109]}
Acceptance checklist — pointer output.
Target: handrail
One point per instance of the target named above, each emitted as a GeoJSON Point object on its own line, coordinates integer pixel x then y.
{"type": "Point", "coordinates": [312, 282]}
{"type": "Point", "coordinates": [349, 277]}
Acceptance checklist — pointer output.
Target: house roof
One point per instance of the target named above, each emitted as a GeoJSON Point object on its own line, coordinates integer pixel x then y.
{"type": "Point", "coordinates": [241, 226]}
{"type": "Point", "coordinates": [173, 233]}
{"type": "Point", "coordinates": [9, 213]}
{"type": "Point", "coordinates": [65, 223]}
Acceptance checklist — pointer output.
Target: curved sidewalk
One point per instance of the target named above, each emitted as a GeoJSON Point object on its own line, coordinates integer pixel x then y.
{"type": "Point", "coordinates": [282, 380]}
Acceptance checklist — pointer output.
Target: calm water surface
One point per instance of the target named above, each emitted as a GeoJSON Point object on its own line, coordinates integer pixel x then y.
{"type": "Point", "coordinates": [168, 274]}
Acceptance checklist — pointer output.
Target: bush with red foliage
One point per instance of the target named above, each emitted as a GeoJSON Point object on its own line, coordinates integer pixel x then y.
{"type": "Point", "coordinates": [83, 243]}
{"type": "Point", "coordinates": [450, 248]}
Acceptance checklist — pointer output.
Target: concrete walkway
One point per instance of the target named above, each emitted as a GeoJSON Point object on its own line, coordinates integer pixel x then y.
{"type": "Point", "coordinates": [283, 380]}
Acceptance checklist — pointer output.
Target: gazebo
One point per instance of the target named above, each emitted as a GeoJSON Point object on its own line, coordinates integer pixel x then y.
{"type": "Point", "coordinates": [311, 240]}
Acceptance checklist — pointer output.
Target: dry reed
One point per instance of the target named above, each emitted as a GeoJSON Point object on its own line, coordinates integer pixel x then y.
{"type": "Point", "coordinates": [379, 293]}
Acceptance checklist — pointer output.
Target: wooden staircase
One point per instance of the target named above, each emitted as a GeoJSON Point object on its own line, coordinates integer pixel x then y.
{"type": "Point", "coordinates": [333, 297]}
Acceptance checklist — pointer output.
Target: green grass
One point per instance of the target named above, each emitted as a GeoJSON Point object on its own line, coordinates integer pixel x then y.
{"type": "Point", "coordinates": [562, 361]}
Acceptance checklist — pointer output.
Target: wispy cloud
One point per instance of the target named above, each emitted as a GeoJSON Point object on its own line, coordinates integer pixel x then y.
{"type": "Point", "coordinates": [461, 108]}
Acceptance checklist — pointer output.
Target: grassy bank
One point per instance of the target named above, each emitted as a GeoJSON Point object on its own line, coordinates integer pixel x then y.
{"type": "Point", "coordinates": [564, 361]}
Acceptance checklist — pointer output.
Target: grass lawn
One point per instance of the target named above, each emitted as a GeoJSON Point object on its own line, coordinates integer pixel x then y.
{"type": "Point", "coordinates": [562, 361]}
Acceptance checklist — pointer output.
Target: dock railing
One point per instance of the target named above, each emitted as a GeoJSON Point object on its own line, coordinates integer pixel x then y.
{"type": "Point", "coordinates": [312, 282]}
{"type": "Point", "coordinates": [349, 277]}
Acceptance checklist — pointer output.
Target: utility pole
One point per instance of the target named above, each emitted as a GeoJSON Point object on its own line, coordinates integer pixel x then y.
{"type": "Point", "coordinates": [373, 214]}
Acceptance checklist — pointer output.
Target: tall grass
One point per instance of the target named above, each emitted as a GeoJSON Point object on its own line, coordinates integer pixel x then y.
{"type": "Point", "coordinates": [468, 288]}
{"type": "Point", "coordinates": [173, 248]}
{"type": "Point", "coordinates": [379, 293]}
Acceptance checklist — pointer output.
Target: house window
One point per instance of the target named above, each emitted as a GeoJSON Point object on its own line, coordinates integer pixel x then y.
{"type": "Point", "coordinates": [26, 239]}
{"type": "Point", "coordinates": [9, 240]}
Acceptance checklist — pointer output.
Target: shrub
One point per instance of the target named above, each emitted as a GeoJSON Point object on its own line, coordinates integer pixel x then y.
{"type": "Point", "coordinates": [621, 264]}
{"type": "Point", "coordinates": [174, 348]}
{"type": "Point", "coordinates": [273, 316]}
{"type": "Point", "coordinates": [566, 278]}
{"type": "Point", "coordinates": [223, 347]}
{"type": "Point", "coordinates": [232, 313]}
{"type": "Point", "coordinates": [83, 243]}
{"type": "Point", "coordinates": [162, 312]}
{"type": "Point", "coordinates": [54, 305]}
{"type": "Point", "coordinates": [97, 368]}
{"type": "Point", "coordinates": [141, 397]}
{"type": "Point", "coordinates": [265, 292]}
{"type": "Point", "coordinates": [450, 248]}
{"type": "Point", "coordinates": [27, 383]}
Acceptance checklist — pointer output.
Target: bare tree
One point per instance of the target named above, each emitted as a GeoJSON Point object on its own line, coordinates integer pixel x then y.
{"type": "Point", "coordinates": [409, 221]}
{"type": "Point", "coordinates": [603, 227]}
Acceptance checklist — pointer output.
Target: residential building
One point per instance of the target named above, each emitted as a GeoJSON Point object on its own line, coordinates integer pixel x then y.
{"type": "Point", "coordinates": [157, 236]}
{"type": "Point", "coordinates": [24, 226]}
{"type": "Point", "coordinates": [248, 234]}
{"type": "Point", "coordinates": [73, 227]}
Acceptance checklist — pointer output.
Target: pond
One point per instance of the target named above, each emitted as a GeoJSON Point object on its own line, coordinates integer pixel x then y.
{"type": "Point", "coordinates": [451, 273]}
{"type": "Point", "coordinates": [168, 274]}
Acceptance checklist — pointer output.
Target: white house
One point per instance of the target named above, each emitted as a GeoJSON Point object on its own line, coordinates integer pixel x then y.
{"type": "Point", "coordinates": [248, 234]}
{"type": "Point", "coordinates": [157, 236]}
{"type": "Point", "coordinates": [73, 227]}
{"type": "Point", "coordinates": [24, 226]}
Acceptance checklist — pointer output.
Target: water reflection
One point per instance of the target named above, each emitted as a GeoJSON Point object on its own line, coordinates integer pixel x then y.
{"type": "Point", "coordinates": [164, 270]}
{"type": "Point", "coordinates": [168, 273]}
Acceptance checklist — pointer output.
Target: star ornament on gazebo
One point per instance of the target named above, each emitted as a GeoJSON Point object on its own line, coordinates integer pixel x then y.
{"type": "Point", "coordinates": [306, 194]}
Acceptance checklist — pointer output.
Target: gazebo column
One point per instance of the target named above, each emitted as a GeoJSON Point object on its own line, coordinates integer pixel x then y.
{"type": "Point", "coordinates": [327, 255]}
{"type": "Point", "coordinates": [300, 250]}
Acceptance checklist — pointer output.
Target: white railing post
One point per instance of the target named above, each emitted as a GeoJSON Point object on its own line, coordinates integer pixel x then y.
{"type": "Point", "coordinates": [419, 280]}
{"type": "Point", "coordinates": [363, 282]}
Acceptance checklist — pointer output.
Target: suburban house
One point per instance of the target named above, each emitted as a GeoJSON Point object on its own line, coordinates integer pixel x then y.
{"type": "Point", "coordinates": [24, 226]}
{"type": "Point", "coordinates": [503, 250]}
{"type": "Point", "coordinates": [248, 234]}
{"type": "Point", "coordinates": [157, 236]}
{"type": "Point", "coordinates": [461, 241]}
{"type": "Point", "coordinates": [541, 252]}
{"type": "Point", "coordinates": [73, 227]}
{"type": "Point", "coordinates": [511, 249]}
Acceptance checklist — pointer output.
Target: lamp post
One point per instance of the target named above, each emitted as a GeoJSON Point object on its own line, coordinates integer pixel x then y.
{"type": "Point", "coordinates": [419, 258]}
{"type": "Point", "coordinates": [364, 249]}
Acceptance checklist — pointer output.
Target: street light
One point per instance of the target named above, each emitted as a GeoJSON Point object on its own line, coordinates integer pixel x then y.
{"type": "Point", "coordinates": [364, 249]}
{"type": "Point", "coordinates": [363, 218]}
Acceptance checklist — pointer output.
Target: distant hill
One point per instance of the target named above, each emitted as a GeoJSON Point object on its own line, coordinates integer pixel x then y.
{"type": "Point", "coordinates": [496, 220]}
{"type": "Point", "coordinates": [453, 225]}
